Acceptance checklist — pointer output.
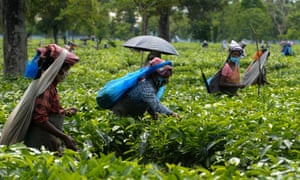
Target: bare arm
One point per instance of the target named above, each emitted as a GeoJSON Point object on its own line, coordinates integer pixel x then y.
{"type": "Point", "coordinates": [223, 83]}
{"type": "Point", "coordinates": [49, 127]}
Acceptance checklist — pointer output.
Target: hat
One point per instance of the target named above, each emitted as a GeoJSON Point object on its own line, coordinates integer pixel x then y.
{"type": "Point", "coordinates": [165, 71]}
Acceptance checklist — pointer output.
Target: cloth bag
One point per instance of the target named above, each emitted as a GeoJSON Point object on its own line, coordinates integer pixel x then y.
{"type": "Point", "coordinates": [250, 76]}
{"type": "Point", "coordinates": [213, 82]}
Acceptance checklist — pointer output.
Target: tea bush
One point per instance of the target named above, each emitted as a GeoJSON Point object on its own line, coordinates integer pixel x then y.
{"type": "Point", "coordinates": [251, 136]}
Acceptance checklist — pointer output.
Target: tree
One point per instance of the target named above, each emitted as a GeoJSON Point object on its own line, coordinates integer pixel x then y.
{"type": "Point", "coordinates": [201, 16]}
{"type": "Point", "coordinates": [253, 16]}
{"type": "Point", "coordinates": [123, 17]}
{"type": "Point", "coordinates": [257, 19]}
{"type": "Point", "coordinates": [15, 38]}
{"type": "Point", "coordinates": [248, 4]}
{"type": "Point", "coordinates": [164, 11]}
{"type": "Point", "coordinates": [89, 17]}
{"type": "Point", "coordinates": [179, 25]}
{"type": "Point", "coordinates": [278, 11]}
{"type": "Point", "coordinates": [293, 21]}
{"type": "Point", "coordinates": [1, 16]}
{"type": "Point", "coordinates": [146, 8]}
{"type": "Point", "coordinates": [45, 15]}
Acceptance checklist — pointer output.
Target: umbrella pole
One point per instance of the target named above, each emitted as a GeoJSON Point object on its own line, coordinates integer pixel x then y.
{"type": "Point", "coordinates": [142, 60]}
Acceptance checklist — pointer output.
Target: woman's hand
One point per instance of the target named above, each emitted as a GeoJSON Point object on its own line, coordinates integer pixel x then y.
{"type": "Point", "coordinates": [174, 114]}
{"type": "Point", "coordinates": [70, 143]}
{"type": "Point", "coordinates": [49, 127]}
{"type": "Point", "coordinates": [70, 111]}
{"type": "Point", "coordinates": [154, 116]}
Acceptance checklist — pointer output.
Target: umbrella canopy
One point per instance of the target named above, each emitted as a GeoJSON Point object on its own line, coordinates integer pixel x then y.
{"type": "Point", "coordinates": [151, 43]}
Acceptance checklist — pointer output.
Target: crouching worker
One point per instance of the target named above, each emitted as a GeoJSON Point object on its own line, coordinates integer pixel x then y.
{"type": "Point", "coordinates": [38, 118]}
{"type": "Point", "coordinates": [230, 73]}
{"type": "Point", "coordinates": [143, 96]}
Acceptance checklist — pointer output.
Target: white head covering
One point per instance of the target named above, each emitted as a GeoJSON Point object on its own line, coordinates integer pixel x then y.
{"type": "Point", "coordinates": [243, 43]}
{"type": "Point", "coordinates": [234, 46]}
{"type": "Point", "coordinates": [290, 43]}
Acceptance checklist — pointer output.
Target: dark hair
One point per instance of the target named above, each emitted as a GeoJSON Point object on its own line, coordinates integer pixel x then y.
{"type": "Point", "coordinates": [44, 63]}
{"type": "Point", "coordinates": [151, 56]}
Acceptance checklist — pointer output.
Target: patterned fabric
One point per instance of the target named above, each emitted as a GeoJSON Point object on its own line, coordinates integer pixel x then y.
{"type": "Point", "coordinates": [71, 58]}
{"type": "Point", "coordinates": [257, 55]}
{"type": "Point", "coordinates": [140, 99]}
{"type": "Point", "coordinates": [47, 103]}
{"type": "Point", "coordinates": [165, 71]}
{"type": "Point", "coordinates": [231, 75]}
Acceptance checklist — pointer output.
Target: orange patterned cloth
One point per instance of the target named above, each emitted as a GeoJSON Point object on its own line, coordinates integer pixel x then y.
{"type": "Point", "coordinates": [257, 55]}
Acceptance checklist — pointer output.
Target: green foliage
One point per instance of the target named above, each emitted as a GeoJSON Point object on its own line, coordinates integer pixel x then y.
{"type": "Point", "coordinates": [44, 15]}
{"type": "Point", "coordinates": [259, 20]}
{"type": "Point", "coordinates": [293, 20]}
{"type": "Point", "coordinates": [237, 23]}
{"type": "Point", "coordinates": [217, 137]}
{"type": "Point", "coordinates": [189, 19]}
{"type": "Point", "coordinates": [252, 4]}
{"type": "Point", "coordinates": [180, 26]}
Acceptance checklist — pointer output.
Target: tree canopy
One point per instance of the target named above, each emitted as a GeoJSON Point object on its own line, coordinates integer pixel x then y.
{"type": "Point", "coordinates": [188, 19]}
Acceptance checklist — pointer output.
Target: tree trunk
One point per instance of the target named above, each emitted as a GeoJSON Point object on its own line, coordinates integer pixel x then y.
{"type": "Point", "coordinates": [164, 23]}
{"type": "Point", "coordinates": [145, 20]}
{"type": "Point", "coordinates": [55, 34]}
{"type": "Point", "coordinates": [14, 37]}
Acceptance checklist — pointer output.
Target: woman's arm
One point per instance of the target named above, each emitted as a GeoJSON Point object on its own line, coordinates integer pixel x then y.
{"type": "Point", "coordinates": [49, 127]}
{"type": "Point", "coordinates": [224, 83]}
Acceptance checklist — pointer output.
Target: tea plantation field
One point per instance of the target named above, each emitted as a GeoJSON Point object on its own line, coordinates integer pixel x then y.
{"type": "Point", "coordinates": [255, 135]}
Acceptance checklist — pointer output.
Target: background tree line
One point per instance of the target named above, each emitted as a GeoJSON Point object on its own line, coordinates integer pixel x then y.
{"type": "Point", "coordinates": [188, 19]}
{"type": "Point", "coordinates": [121, 19]}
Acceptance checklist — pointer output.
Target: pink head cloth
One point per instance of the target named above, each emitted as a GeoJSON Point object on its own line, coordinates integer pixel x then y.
{"type": "Point", "coordinates": [71, 58]}
{"type": "Point", "coordinates": [165, 71]}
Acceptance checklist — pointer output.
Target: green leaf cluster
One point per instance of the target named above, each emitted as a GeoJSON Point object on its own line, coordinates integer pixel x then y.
{"type": "Point", "coordinates": [217, 136]}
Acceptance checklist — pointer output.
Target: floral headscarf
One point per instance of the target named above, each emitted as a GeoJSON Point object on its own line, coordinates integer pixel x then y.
{"type": "Point", "coordinates": [165, 71]}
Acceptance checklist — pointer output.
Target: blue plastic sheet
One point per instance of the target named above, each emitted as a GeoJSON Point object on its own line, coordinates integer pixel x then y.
{"type": "Point", "coordinates": [113, 90]}
{"type": "Point", "coordinates": [31, 68]}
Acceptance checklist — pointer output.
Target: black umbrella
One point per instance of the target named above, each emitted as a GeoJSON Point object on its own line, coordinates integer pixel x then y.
{"type": "Point", "coordinates": [151, 43]}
